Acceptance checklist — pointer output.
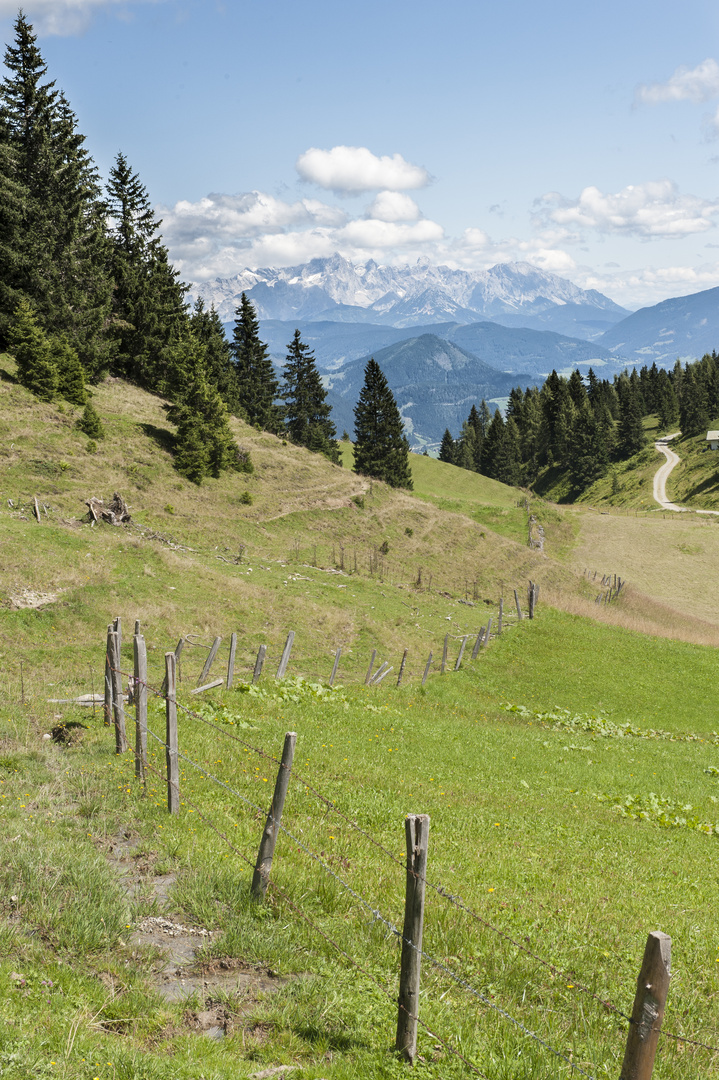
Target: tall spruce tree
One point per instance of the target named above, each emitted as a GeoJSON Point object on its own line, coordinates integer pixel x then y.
{"type": "Point", "coordinates": [257, 383]}
{"type": "Point", "coordinates": [149, 316]}
{"type": "Point", "coordinates": [381, 448]}
{"type": "Point", "coordinates": [53, 244]}
{"type": "Point", "coordinates": [29, 345]}
{"type": "Point", "coordinates": [209, 331]}
{"type": "Point", "coordinates": [446, 447]}
{"type": "Point", "coordinates": [307, 414]}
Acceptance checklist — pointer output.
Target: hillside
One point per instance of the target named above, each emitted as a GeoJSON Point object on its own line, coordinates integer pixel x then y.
{"type": "Point", "coordinates": [683, 327]}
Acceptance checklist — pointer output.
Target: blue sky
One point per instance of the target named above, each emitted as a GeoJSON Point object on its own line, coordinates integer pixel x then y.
{"type": "Point", "coordinates": [584, 140]}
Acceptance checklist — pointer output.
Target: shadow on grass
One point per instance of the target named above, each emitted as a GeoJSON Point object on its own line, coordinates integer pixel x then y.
{"type": "Point", "coordinates": [6, 376]}
{"type": "Point", "coordinates": [327, 1038]}
{"type": "Point", "coordinates": [164, 438]}
{"type": "Point", "coordinates": [710, 484]}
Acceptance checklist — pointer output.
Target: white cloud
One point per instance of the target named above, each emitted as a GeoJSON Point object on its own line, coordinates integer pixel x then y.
{"type": "Point", "coordinates": [686, 84]}
{"type": "Point", "coordinates": [394, 206]}
{"type": "Point", "coordinates": [352, 169]}
{"type": "Point", "coordinates": [649, 285]}
{"type": "Point", "coordinates": [63, 17]}
{"type": "Point", "coordinates": [656, 209]}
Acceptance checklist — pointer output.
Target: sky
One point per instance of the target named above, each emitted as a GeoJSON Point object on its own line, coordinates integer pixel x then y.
{"type": "Point", "coordinates": [579, 138]}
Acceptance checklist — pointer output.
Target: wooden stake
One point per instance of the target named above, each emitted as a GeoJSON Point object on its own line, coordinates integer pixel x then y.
{"type": "Point", "coordinates": [140, 671]}
{"type": "Point", "coordinates": [285, 655]}
{"type": "Point", "coordinates": [380, 675]}
{"type": "Point", "coordinates": [519, 610]}
{"type": "Point", "coordinates": [486, 636]}
{"type": "Point", "coordinates": [478, 643]}
{"type": "Point", "coordinates": [37, 508]}
{"type": "Point", "coordinates": [461, 652]}
{"type": "Point", "coordinates": [426, 670]}
{"type": "Point", "coordinates": [444, 653]}
{"type": "Point", "coordinates": [401, 667]}
{"type": "Point", "coordinates": [118, 705]}
{"type": "Point", "coordinates": [258, 663]}
{"type": "Point", "coordinates": [648, 1011]}
{"type": "Point", "coordinates": [501, 613]}
{"type": "Point", "coordinates": [381, 670]}
{"type": "Point", "coordinates": [530, 599]}
{"type": "Point", "coordinates": [209, 661]}
{"type": "Point", "coordinates": [368, 676]}
{"type": "Point", "coordinates": [171, 745]}
{"type": "Point", "coordinates": [207, 686]}
{"type": "Point", "coordinates": [417, 837]}
{"type": "Point", "coordinates": [231, 661]}
{"type": "Point", "coordinates": [263, 866]}
{"type": "Point", "coordinates": [335, 666]}
{"type": "Point", "coordinates": [178, 651]}
{"type": "Point", "coordinates": [107, 707]}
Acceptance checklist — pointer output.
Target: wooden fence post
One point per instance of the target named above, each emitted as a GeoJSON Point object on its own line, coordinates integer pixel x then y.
{"type": "Point", "coordinates": [209, 661]}
{"type": "Point", "coordinates": [486, 636]}
{"type": "Point", "coordinates": [501, 614]}
{"type": "Point", "coordinates": [444, 653]}
{"type": "Point", "coordinates": [648, 1011]}
{"type": "Point", "coordinates": [386, 668]}
{"type": "Point", "coordinates": [401, 667]}
{"type": "Point", "coordinates": [478, 643]}
{"type": "Point", "coordinates": [171, 745]}
{"type": "Point", "coordinates": [107, 706]}
{"type": "Point", "coordinates": [417, 836]}
{"type": "Point", "coordinates": [530, 599]}
{"type": "Point", "coordinates": [368, 676]}
{"type": "Point", "coordinates": [178, 652]}
{"type": "Point", "coordinates": [285, 655]}
{"type": "Point", "coordinates": [461, 653]}
{"type": "Point", "coordinates": [519, 610]}
{"type": "Point", "coordinates": [231, 661]}
{"type": "Point", "coordinates": [140, 672]}
{"type": "Point", "coordinates": [118, 705]}
{"type": "Point", "coordinates": [258, 663]}
{"type": "Point", "coordinates": [426, 670]}
{"type": "Point", "coordinates": [335, 666]}
{"type": "Point", "coordinates": [263, 866]}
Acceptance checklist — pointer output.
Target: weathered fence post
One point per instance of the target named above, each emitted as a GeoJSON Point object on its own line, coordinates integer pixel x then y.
{"type": "Point", "coordinates": [478, 643]}
{"type": "Point", "coordinates": [258, 663]}
{"type": "Point", "coordinates": [648, 1011]}
{"type": "Point", "coordinates": [444, 653]}
{"type": "Point", "coordinates": [501, 614]}
{"type": "Point", "coordinates": [118, 705]}
{"type": "Point", "coordinates": [171, 745]}
{"type": "Point", "coordinates": [417, 836]}
{"type": "Point", "coordinates": [107, 706]}
{"type": "Point", "coordinates": [263, 866]}
{"type": "Point", "coordinates": [368, 676]}
{"type": "Point", "coordinates": [401, 667]}
{"type": "Point", "coordinates": [178, 652]}
{"type": "Point", "coordinates": [379, 673]}
{"type": "Point", "coordinates": [426, 670]}
{"type": "Point", "coordinates": [209, 661]}
{"type": "Point", "coordinates": [285, 655]}
{"type": "Point", "coordinates": [530, 599]}
{"type": "Point", "coordinates": [140, 679]}
{"type": "Point", "coordinates": [335, 666]}
{"type": "Point", "coordinates": [519, 610]}
{"type": "Point", "coordinates": [231, 661]}
{"type": "Point", "coordinates": [461, 652]}
{"type": "Point", "coordinates": [486, 636]}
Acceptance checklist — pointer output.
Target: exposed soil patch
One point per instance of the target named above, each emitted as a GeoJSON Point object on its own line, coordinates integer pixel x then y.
{"type": "Point", "coordinates": [28, 598]}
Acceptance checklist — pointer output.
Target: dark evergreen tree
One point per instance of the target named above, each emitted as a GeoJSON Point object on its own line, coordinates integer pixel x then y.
{"type": "Point", "coordinates": [257, 383]}
{"type": "Point", "coordinates": [30, 347]}
{"type": "Point", "coordinates": [589, 457]}
{"type": "Point", "coordinates": [475, 419]}
{"type": "Point", "coordinates": [149, 315]}
{"type": "Point", "coordinates": [381, 448]}
{"type": "Point", "coordinates": [466, 447]}
{"type": "Point", "coordinates": [90, 423]}
{"type": "Point", "coordinates": [71, 377]}
{"type": "Point", "coordinates": [631, 436]}
{"type": "Point", "coordinates": [307, 414]}
{"type": "Point", "coordinates": [667, 404]}
{"type": "Point", "coordinates": [575, 385]}
{"type": "Point", "coordinates": [446, 448]}
{"type": "Point", "coordinates": [693, 412]}
{"type": "Point", "coordinates": [209, 331]}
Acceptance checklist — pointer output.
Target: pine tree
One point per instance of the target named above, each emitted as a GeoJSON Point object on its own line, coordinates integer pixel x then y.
{"type": "Point", "coordinates": [31, 349]}
{"type": "Point", "coordinates": [149, 316]}
{"type": "Point", "coordinates": [209, 331]}
{"type": "Point", "coordinates": [631, 436]}
{"type": "Point", "coordinates": [446, 448]}
{"type": "Point", "coordinates": [71, 377]}
{"type": "Point", "coordinates": [693, 413]}
{"type": "Point", "coordinates": [466, 447]}
{"type": "Point", "coordinates": [589, 458]}
{"type": "Point", "coordinates": [257, 383]}
{"type": "Point", "coordinates": [307, 414]}
{"type": "Point", "coordinates": [381, 449]}
{"type": "Point", "coordinates": [89, 423]}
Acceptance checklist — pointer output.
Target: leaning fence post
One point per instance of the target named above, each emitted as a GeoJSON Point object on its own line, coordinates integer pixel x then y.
{"type": "Point", "coordinates": [461, 653]}
{"type": "Point", "coordinates": [335, 666]}
{"type": "Point", "coordinates": [140, 679]}
{"type": "Point", "coordinates": [417, 836]}
{"type": "Point", "coordinates": [499, 620]}
{"type": "Point", "coordinates": [444, 653]}
{"type": "Point", "coordinates": [486, 636]}
{"type": "Point", "coordinates": [285, 655]}
{"type": "Point", "coordinates": [118, 705]}
{"type": "Point", "coordinates": [171, 746]}
{"type": "Point", "coordinates": [368, 676]}
{"type": "Point", "coordinates": [426, 670]}
{"type": "Point", "coordinates": [231, 661]}
{"type": "Point", "coordinates": [263, 866]}
{"type": "Point", "coordinates": [380, 673]}
{"type": "Point", "coordinates": [258, 663]}
{"type": "Point", "coordinates": [648, 1011]}
{"type": "Point", "coordinates": [209, 661]}
{"type": "Point", "coordinates": [519, 610]}
{"type": "Point", "coordinates": [401, 667]}
{"type": "Point", "coordinates": [478, 643]}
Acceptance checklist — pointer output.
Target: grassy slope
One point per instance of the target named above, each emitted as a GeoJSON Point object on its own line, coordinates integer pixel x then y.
{"type": "Point", "coordinates": [518, 828]}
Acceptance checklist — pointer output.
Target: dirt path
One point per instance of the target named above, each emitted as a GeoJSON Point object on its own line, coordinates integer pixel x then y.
{"type": "Point", "coordinates": [662, 474]}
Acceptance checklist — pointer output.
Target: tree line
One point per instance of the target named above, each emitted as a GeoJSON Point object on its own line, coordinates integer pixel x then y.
{"type": "Point", "coordinates": [583, 426]}
{"type": "Point", "coordinates": [87, 289]}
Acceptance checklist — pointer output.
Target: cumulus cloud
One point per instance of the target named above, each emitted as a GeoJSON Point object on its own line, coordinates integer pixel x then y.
{"type": "Point", "coordinates": [697, 84]}
{"type": "Point", "coordinates": [353, 169]}
{"type": "Point", "coordinates": [394, 206]}
{"type": "Point", "coordinates": [64, 17]}
{"type": "Point", "coordinates": [653, 210]}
